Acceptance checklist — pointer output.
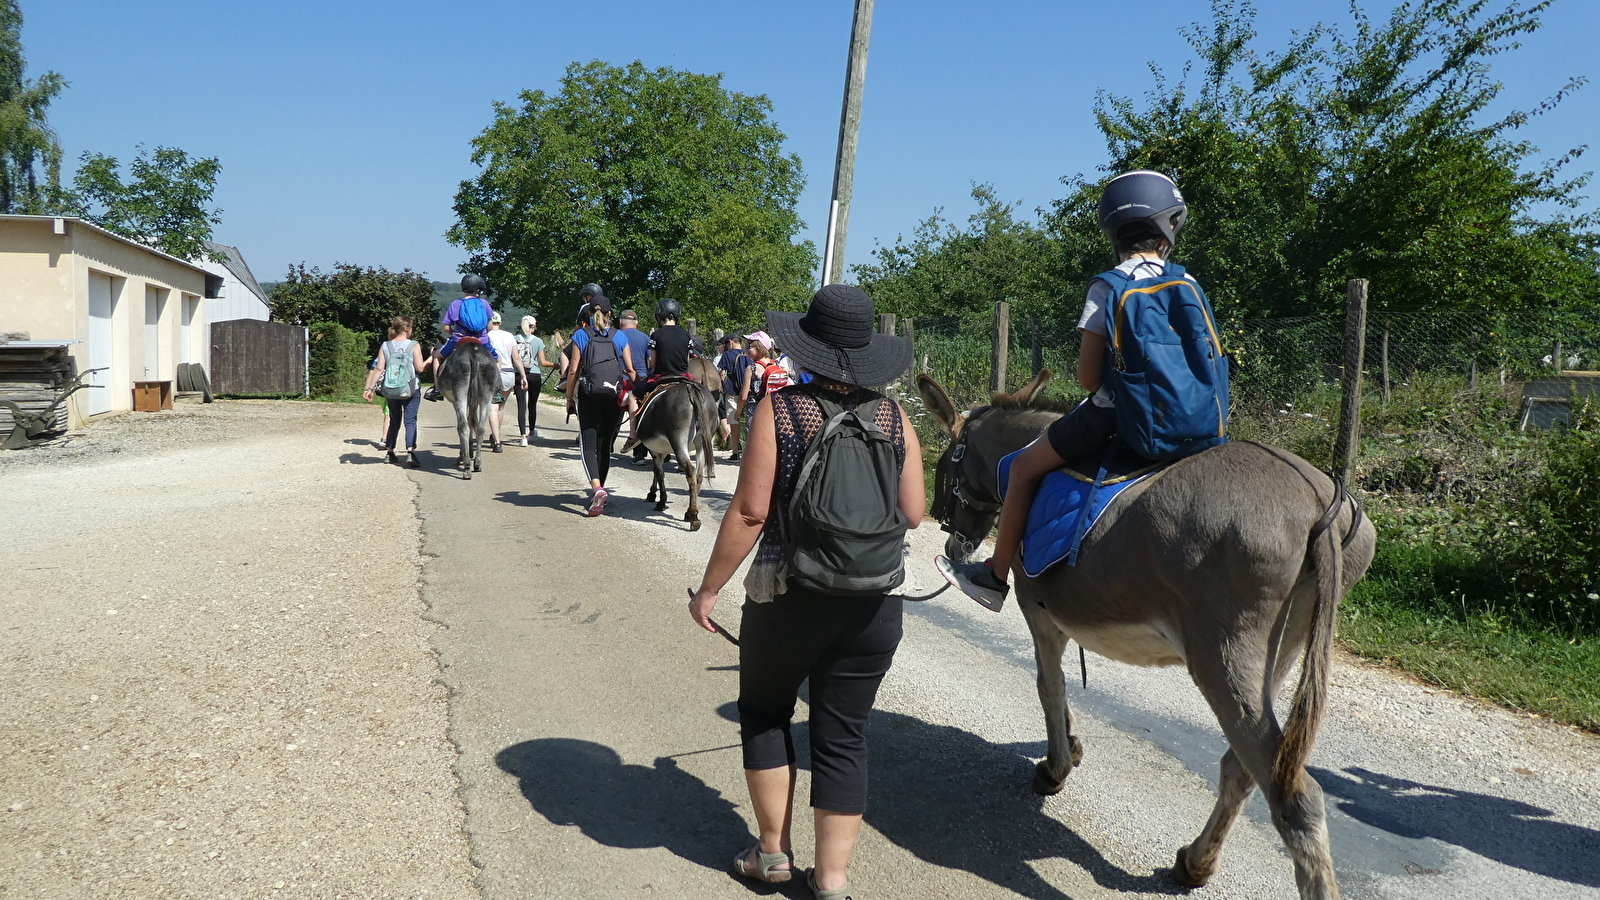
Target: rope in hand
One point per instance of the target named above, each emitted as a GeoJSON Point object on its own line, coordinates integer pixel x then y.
{"type": "Point", "coordinates": [735, 641]}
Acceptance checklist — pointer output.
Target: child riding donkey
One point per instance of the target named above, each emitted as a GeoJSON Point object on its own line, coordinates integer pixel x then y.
{"type": "Point", "coordinates": [467, 317]}
{"type": "Point", "coordinates": [1161, 400]}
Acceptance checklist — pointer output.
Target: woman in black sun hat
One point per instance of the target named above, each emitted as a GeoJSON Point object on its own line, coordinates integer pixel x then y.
{"type": "Point", "coordinates": [790, 631]}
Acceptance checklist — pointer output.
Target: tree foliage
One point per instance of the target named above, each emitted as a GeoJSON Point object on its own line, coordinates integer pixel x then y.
{"type": "Point", "coordinates": [165, 202]}
{"type": "Point", "coordinates": [1359, 154]}
{"type": "Point", "coordinates": [1356, 153]}
{"type": "Point", "coordinates": [30, 155]}
{"type": "Point", "coordinates": [945, 269]}
{"type": "Point", "coordinates": [652, 182]}
{"type": "Point", "coordinates": [358, 298]}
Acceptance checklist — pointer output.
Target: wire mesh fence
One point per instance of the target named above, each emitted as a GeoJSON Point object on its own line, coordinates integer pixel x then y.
{"type": "Point", "coordinates": [1279, 358]}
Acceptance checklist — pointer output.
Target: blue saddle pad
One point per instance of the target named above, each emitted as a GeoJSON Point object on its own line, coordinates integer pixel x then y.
{"type": "Point", "coordinates": [1053, 520]}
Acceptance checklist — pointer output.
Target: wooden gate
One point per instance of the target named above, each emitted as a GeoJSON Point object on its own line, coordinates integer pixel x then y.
{"type": "Point", "coordinates": [252, 357]}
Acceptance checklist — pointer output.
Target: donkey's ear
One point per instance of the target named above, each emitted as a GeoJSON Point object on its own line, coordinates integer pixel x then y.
{"type": "Point", "coordinates": [938, 403]}
{"type": "Point", "coordinates": [1024, 395]}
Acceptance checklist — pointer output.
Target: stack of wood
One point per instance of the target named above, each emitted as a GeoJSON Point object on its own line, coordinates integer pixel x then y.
{"type": "Point", "coordinates": [32, 375]}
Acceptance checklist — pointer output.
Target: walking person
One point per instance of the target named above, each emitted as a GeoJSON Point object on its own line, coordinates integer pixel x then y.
{"type": "Point", "coordinates": [530, 349]}
{"type": "Point", "coordinates": [635, 362]}
{"type": "Point", "coordinates": [793, 629]}
{"type": "Point", "coordinates": [512, 377]}
{"type": "Point", "coordinates": [732, 362]}
{"type": "Point", "coordinates": [594, 386]}
{"type": "Point", "coordinates": [399, 347]}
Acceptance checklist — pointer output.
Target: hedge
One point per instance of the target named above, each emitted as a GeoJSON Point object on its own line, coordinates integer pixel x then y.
{"type": "Point", "coordinates": [338, 360]}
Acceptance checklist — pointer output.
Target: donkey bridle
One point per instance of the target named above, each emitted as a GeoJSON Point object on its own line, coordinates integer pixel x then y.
{"type": "Point", "coordinates": [949, 482]}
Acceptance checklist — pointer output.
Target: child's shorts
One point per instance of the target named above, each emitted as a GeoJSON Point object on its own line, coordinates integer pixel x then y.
{"type": "Point", "coordinates": [1084, 433]}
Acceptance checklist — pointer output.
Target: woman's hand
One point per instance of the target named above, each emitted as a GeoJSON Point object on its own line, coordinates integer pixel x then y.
{"type": "Point", "coordinates": [366, 394]}
{"type": "Point", "coordinates": [701, 603]}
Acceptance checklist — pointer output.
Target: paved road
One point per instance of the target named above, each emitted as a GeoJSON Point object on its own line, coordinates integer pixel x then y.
{"type": "Point", "coordinates": [598, 750]}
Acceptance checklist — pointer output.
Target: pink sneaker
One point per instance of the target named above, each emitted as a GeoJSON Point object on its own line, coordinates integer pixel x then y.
{"type": "Point", "coordinates": [597, 503]}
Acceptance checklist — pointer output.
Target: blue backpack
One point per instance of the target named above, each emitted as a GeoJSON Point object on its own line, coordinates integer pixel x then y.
{"type": "Point", "coordinates": [473, 316]}
{"type": "Point", "coordinates": [1165, 365]}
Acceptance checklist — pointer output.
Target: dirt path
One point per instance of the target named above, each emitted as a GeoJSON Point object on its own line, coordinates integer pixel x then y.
{"type": "Point", "coordinates": [217, 679]}
{"type": "Point", "coordinates": [599, 753]}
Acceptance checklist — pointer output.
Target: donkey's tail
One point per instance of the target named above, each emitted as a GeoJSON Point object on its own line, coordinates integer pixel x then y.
{"type": "Point", "coordinates": [1311, 695]}
{"type": "Point", "coordinates": [703, 401]}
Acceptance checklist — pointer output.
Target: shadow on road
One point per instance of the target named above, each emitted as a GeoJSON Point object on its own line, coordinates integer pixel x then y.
{"type": "Point", "coordinates": [955, 800]}
{"type": "Point", "coordinates": [582, 783]}
{"type": "Point", "coordinates": [1507, 831]}
{"type": "Point", "coordinates": [563, 503]}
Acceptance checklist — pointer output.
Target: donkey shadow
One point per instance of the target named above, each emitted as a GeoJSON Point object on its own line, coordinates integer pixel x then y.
{"type": "Point", "coordinates": [955, 800]}
{"type": "Point", "coordinates": [582, 783]}
{"type": "Point", "coordinates": [1507, 831]}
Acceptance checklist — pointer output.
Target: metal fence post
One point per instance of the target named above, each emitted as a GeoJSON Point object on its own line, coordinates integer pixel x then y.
{"type": "Point", "coordinates": [1355, 334]}
{"type": "Point", "coordinates": [1002, 344]}
{"type": "Point", "coordinates": [1386, 363]}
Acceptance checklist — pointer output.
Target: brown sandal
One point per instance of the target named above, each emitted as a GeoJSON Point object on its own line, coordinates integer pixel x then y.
{"type": "Point", "coordinates": [766, 865]}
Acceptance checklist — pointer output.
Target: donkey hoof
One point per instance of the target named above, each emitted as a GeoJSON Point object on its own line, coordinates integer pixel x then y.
{"type": "Point", "coordinates": [466, 476]}
{"type": "Point", "coordinates": [1182, 874]}
{"type": "Point", "coordinates": [1045, 784]}
{"type": "Point", "coordinates": [662, 506]}
{"type": "Point", "coordinates": [477, 467]}
{"type": "Point", "coordinates": [694, 524]}
{"type": "Point", "coordinates": [1075, 753]}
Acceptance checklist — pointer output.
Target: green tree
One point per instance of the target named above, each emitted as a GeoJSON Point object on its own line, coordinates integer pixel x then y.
{"type": "Point", "coordinates": [1352, 155]}
{"type": "Point", "coordinates": [165, 202]}
{"type": "Point", "coordinates": [30, 155]}
{"type": "Point", "coordinates": [946, 270]}
{"type": "Point", "coordinates": [652, 182]}
{"type": "Point", "coordinates": [358, 298]}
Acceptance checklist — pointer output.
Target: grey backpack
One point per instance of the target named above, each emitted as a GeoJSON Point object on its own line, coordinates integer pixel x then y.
{"type": "Point", "coordinates": [845, 532]}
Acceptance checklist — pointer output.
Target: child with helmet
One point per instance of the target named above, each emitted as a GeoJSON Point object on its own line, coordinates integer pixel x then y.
{"type": "Point", "coordinates": [1140, 213]}
{"type": "Point", "coordinates": [669, 350]}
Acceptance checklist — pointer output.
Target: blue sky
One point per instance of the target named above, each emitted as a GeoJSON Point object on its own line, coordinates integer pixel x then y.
{"type": "Point", "coordinates": [343, 125]}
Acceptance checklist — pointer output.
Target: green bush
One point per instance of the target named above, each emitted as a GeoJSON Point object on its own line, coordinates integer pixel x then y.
{"type": "Point", "coordinates": [338, 360]}
{"type": "Point", "coordinates": [1554, 536]}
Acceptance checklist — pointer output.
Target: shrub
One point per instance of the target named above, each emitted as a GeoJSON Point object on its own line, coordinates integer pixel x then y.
{"type": "Point", "coordinates": [338, 360]}
{"type": "Point", "coordinates": [1555, 543]}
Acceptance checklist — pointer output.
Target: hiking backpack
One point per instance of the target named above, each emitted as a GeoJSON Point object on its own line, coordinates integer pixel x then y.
{"type": "Point", "coordinates": [474, 317]}
{"type": "Point", "coordinates": [844, 533]}
{"type": "Point", "coordinates": [600, 369]}
{"type": "Point", "coordinates": [399, 372]}
{"type": "Point", "coordinates": [1165, 365]}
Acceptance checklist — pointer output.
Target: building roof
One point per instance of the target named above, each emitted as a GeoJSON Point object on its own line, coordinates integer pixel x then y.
{"type": "Point", "coordinates": [110, 234]}
{"type": "Point", "coordinates": [234, 262]}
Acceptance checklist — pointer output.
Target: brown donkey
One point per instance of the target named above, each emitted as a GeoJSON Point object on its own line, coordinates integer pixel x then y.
{"type": "Point", "coordinates": [1231, 562]}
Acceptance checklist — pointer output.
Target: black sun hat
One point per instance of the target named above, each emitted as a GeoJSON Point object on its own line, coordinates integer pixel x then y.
{"type": "Point", "coordinates": [834, 338]}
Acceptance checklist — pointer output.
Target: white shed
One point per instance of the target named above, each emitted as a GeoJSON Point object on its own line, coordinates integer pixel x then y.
{"type": "Point", "coordinates": [240, 297]}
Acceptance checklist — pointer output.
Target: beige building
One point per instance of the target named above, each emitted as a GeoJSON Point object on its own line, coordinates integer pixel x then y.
{"type": "Point", "coordinates": [131, 310]}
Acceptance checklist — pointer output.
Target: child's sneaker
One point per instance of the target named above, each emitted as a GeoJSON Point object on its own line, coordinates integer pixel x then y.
{"type": "Point", "coordinates": [597, 503]}
{"type": "Point", "coordinates": [433, 395]}
{"type": "Point", "coordinates": [976, 580]}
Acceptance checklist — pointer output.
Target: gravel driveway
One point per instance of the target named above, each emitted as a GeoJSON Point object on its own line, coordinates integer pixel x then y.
{"type": "Point", "coordinates": [217, 679]}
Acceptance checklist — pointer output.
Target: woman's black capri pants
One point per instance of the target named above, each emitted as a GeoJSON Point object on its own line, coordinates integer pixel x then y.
{"type": "Point", "coordinates": [844, 645]}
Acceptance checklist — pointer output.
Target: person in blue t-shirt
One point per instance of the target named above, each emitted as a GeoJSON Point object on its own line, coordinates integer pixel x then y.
{"type": "Point", "coordinates": [472, 288]}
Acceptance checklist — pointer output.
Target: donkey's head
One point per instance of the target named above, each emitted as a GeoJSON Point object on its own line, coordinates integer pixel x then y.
{"type": "Point", "coordinates": [966, 495]}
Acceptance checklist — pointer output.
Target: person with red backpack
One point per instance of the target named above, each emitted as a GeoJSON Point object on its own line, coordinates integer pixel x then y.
{"type": "Point", "coordinates": [595, 381]}
{"type": "Point", "coordinates": [1141, 214]}
{"type": "Point", "coordinates": [762, 377]}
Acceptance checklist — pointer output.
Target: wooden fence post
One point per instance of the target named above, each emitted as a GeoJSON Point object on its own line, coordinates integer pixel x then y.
{"type": "Point", "coordinates": [689, 325]}
{"type": "Point", "coordinates": [1001, 348]}
{"type": "Point", "coordinates": [1386, 363]}
{"type": "Point", "coordinates": [908, 330]}
{"type": "Point", "coordinates": [1033, 338]}
{"type": "Point", "coordinates": [1355, 334]}
{"type": "Point", "coordinates": [1557, 357]}
{"type": "Point", "coordinates": [886, 324]}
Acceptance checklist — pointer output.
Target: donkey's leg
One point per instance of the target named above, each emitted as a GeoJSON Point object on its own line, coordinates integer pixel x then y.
{"type": "Point", "coordinates": [464, 434]}
{"type": "Point", "coordinates": [658, 480]}
{"type": "Point", "coordinates": [1198, 861]}
{"type": "Point", "coordinates": [680, 448]}
{"type": "Point", "coordinates": [1232, 682]}
{"type": "Point", "coordinates": [1064, 751]}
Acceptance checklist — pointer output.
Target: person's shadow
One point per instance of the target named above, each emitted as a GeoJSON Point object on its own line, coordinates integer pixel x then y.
{"type": "Point", "coordinates": [1509, 832]}
{"type": "Point", "coordinates": [582, 783]}
{"type": "Point", "coordinates": [955, 800]}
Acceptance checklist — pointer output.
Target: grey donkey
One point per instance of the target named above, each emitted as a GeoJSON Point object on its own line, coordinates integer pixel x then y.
{"type": "Point", "coordinates": [681, 420]}
{"type": "Point", "coordinates": [468, 381]}
{"type": "Point", "coordinates": [1231, 562]}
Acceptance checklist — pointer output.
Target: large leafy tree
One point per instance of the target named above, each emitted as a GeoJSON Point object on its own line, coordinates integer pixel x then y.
{"type": "Point", "coordinates": [165, 202]}
{"type": "Point", "coordinates": [30, 155]}
{"type": "Point", "coordinates": [359, 298]}
{"type": "Point", "coordinates": [652, 182]}
{"type": "Point", "coordinates": [1353, 153]}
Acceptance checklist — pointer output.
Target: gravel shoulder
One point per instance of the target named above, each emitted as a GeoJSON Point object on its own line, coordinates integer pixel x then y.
{"type": "Point", "coordinates": [217, 678]}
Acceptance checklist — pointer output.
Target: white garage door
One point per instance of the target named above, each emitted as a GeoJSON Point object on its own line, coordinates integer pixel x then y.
{"type": "Point", "coordinates": [102, 303]}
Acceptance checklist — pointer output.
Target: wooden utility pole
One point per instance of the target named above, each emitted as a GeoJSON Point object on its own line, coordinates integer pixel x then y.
{"type": "Point", "coordinates": [1001, 348]}
{"type": "Point", "coordinates": [844, 165]}
{"type": "Point", "coordinates": [1355, 339]}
